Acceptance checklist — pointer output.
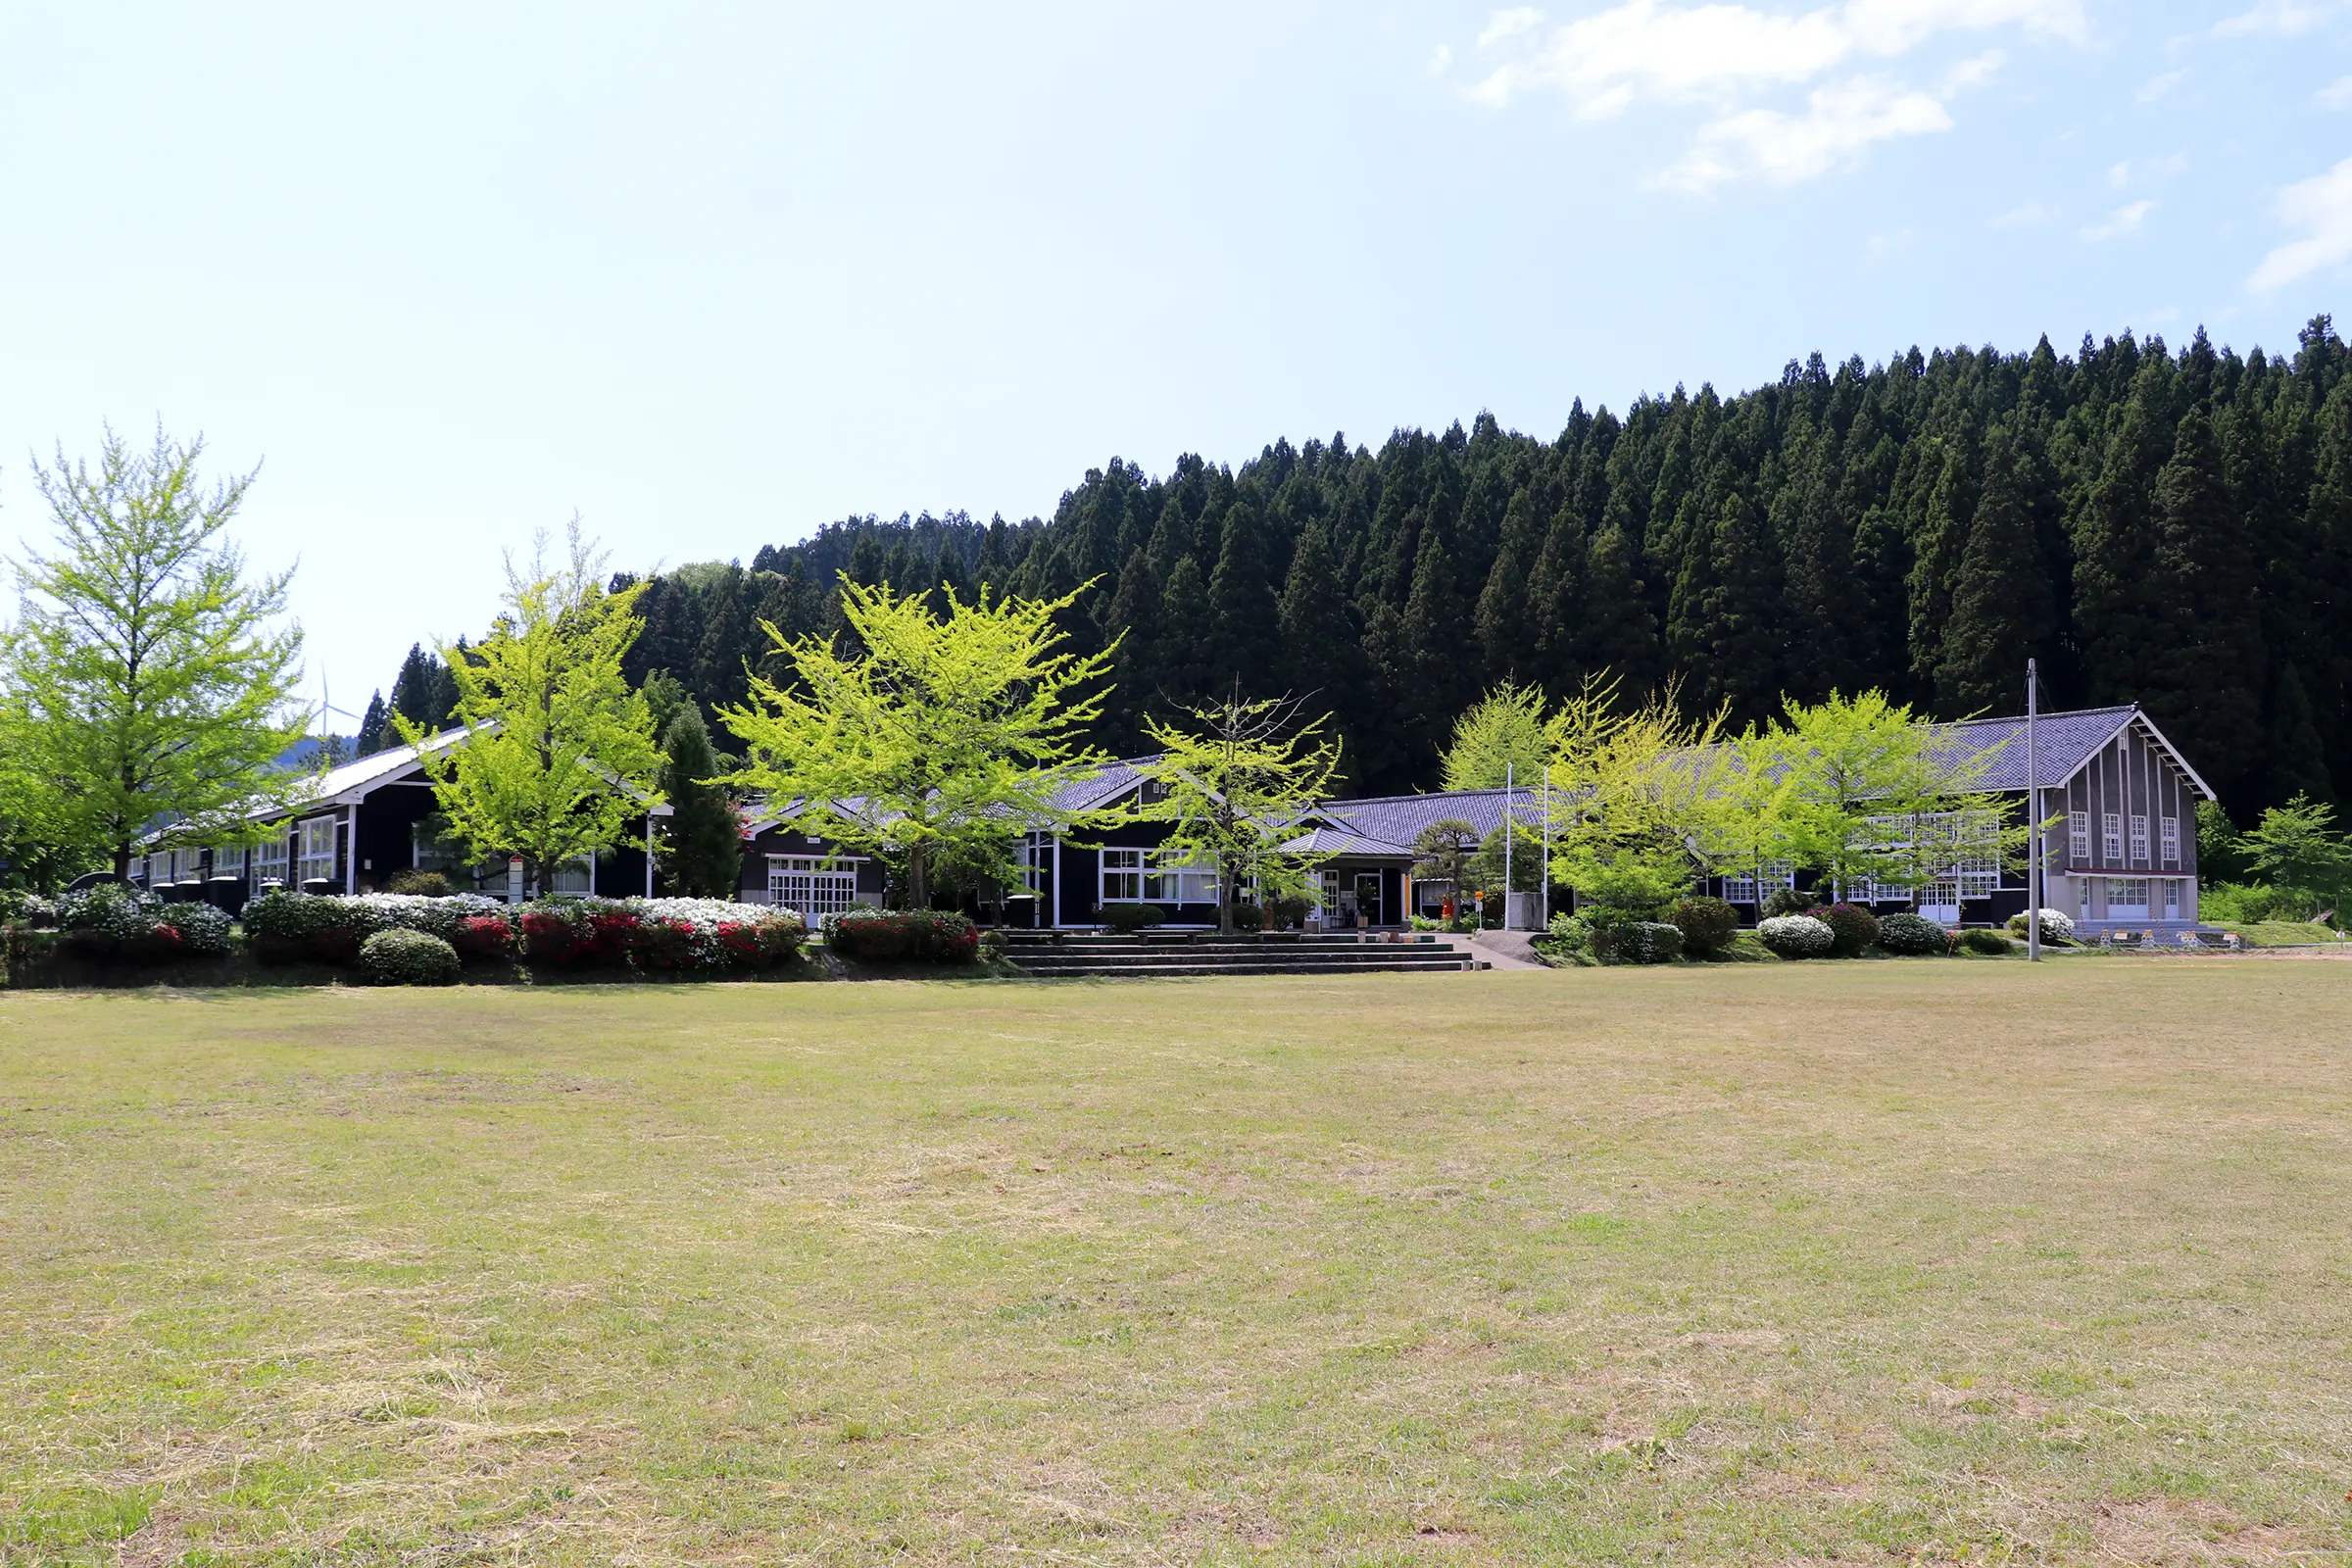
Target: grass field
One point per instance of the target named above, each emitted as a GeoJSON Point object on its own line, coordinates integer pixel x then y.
{"type": "Point", "coordinates": [1885, 1261]}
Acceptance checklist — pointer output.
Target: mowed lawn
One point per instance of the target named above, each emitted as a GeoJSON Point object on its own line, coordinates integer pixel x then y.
{"type": "Point", "coordinates": [1873, 1261]}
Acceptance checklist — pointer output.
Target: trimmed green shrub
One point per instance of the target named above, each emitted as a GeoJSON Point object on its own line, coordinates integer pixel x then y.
{"type": "Point", "coordinates": [1797, 936]}
{"type": "Point", "coordinates": [1638, 942]}
{"type": "Point", "coordinates": [1290, 911]}
{"type": "Point", "coordinates": [1856, 928]}
{"type": "Point", "coordinates": [399, 957]}
{"type": "Point", "coordinates": [1786, 900]}
{"type": "Point", "coordinates": [1980, 939]}
{"type": "Point", "coordinates": [929, 936]}
{"type": "Point", "coordinates": [1707, 925]}
{"type": "Point", "coordinates": [1249, 916]}
{"type": "Point", "coordinates": [1133, 917]}
{"type": "Point", "coordinates": [1914, 937]}
{"type": "Point", "coordinates": [420, 884]}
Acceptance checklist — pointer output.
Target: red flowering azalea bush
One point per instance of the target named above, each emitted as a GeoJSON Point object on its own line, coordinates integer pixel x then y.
{"type": "Point", "coordinates": [553, 933]}
{"type": "Point", "coordinates": [485, 938]}
{"type": "Point", "coordinates": [673, 936]}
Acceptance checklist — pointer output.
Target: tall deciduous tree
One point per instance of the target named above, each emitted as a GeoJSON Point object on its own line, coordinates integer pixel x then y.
{"type": "Point", "coordinates": [559, 751]}
{"type": "Point", "coordinates": [1876, 800]}
{"type": "Point", "coordinates": [1233, 784]}
{"type": "Point", "coordinates": [2295, 848]}
{"type": "Point", "coordinates": [1630, 794]}
{"type": "Point", "coordinates": [1501, 737]}
{"type": "Point", "coordinates": [946, 736]}
{"type": "Point", "coordinates": [148, 682]}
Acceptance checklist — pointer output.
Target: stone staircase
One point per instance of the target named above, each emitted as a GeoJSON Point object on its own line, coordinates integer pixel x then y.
{"type": "Point", "coordinates": [1179, 955]}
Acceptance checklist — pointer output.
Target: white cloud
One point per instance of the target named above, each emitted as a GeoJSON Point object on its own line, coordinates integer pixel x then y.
{"type": "Point", "coordinates": [2276, 19]}
{"type": "Point", "coordinates": [1642, 49]}
{"type": "Point", "coordinates": [2336, 94]}
{"type": "Point", "coordinates": [1723, 57]}
{"type": "Point", "coordinates": [1441, 61]}
{"type": "Point", "coordinates": [1840, 122]}
{"type": "Point", "coordinates": [1505, 25]}
{"type": "Point", "coordinates": [2023, 217]}
{"type": "Point", "coordinates": [2120, 175]}
{"type": "Point", "coordinates": [2322, 206]}
{"type": "Point", "coordinates": [2158, 86]}
{"type": "Point", "coordinates": [2122, 221]}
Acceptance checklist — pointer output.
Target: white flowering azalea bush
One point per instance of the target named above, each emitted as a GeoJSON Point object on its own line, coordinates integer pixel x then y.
{"type": "Point", "coordinates": [2056, 929]}
{"type": "Point", "coordinates": [114, 921]}
{"type": "Point", "coordinates": [1797, 936]}
{"type": "Point", "coordinates": [331, 928]}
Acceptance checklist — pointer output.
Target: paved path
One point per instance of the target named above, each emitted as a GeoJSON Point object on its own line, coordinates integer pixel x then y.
{"type": "Point", "coordinates": [1502, 949]}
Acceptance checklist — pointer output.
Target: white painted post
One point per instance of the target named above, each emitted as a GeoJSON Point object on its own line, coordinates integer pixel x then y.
{"type": "Point", "coordinates": [1508, 886]}
{"type": "Point", "coordinates": [2033, 871]}
{"type": "Point", "coordinates": [649, 853]}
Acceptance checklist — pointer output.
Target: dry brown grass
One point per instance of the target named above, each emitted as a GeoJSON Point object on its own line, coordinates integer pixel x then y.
{"type": "Point", "coordinates": [1771, 1264]}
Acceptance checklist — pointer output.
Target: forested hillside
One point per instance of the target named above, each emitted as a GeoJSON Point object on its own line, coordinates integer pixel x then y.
{"type": "Point", "coordinates": [2171, 529]}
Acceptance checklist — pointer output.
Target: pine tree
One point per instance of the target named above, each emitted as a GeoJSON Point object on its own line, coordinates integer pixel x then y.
{"type": "Point", "coordinates": [1501, 623]}
{"type": "Point", "coordinates": [2002, 609]}
{"type": "Point", "coordinates": [704, 857]}
{"type": "Point", "coordinates": [373, 726]}
{"type": "Point", "coordinates": [1733, 650]}
{"type": "Point", "coordinates": [2115, 600]}
{"type": "Point", "coordinates": [2205, 679]}
{"type": "Point", "coordinates": [1244, 636]}
{"type": "Point", "coordinates": [1441, 678]}
{"type": "Point", "coordinates": [1555, 602]}
{"type": "Point", "coordinates": [1186, 676]}
{"type": "Point", "coordinates": [1319, 649]}
{"type": "Point", "coordinates": [1136, 673]}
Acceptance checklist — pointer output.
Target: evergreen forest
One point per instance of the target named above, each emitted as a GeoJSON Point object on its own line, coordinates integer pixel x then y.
{"type": "Point", "coordinates": [2161, 527]}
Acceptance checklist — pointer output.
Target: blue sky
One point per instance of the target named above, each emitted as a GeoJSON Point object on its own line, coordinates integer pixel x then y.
{"type": "Point", "coordinates": [711, 275]}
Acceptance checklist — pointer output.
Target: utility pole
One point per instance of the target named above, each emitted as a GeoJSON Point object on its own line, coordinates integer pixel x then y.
{"type": "Point", "coordinates": [2033, 868]}
{"type": "Point", "coordinates": [1544, 904]}
{"type": "Point", "coordinates": [1507, 884]}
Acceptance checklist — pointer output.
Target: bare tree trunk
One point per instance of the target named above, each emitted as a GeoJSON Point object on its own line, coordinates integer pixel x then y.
{"type": "Point", "coordinates": [918, 880]}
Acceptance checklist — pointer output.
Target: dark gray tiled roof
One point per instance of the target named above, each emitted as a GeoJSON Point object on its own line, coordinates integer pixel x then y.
{"type": "Point", "coordinates": [1397, 820]}
{"type": "Point", "coordinates": [1338, 841]}
{"type": "Point", "coordinates": [2063, 742]}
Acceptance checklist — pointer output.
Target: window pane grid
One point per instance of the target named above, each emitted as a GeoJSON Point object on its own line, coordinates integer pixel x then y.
{"type": "Point", "coordinates": [810, 885]}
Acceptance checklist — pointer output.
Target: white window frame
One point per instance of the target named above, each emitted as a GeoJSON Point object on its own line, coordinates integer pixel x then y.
{"type": "Point", "coordinates": [1756, 886]}
{"type": "Point", "coordinates": [810, 884]}
{"type": "Point", "coordinates": [312, 833]}
{"type": "Point", "coordinates": [2078, 837]}
{"type": "Point", "coordinates": [270, 861]}
{"type": "Point", "coordinates": [1034, 857]}
{"type": "Point", "coordinates": [576, 878]}
{"type": "Point", "coordinates": [2121, 901]}
{"type": "Point", "coordinates": [2112, 837]}
{"type": "Point", "coordinates": [2170, 832]}
{"type": "Point", "coordinates": [2175, 899]}
{"type": "Point", "coordinates": [2140, 838]}
{"type": "Point", "coordinates": [1119, 877]}
{"type": "Point", "coordinates": [1174, 878]}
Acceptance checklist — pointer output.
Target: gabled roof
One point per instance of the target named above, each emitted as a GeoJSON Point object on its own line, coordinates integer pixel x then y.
{"type": "Point", "coordinates": [1093, 791]}
{"type": "Point", "coordinates": [2064, 743]}
{"type": "Point", "coordinates": [1397, 820]}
